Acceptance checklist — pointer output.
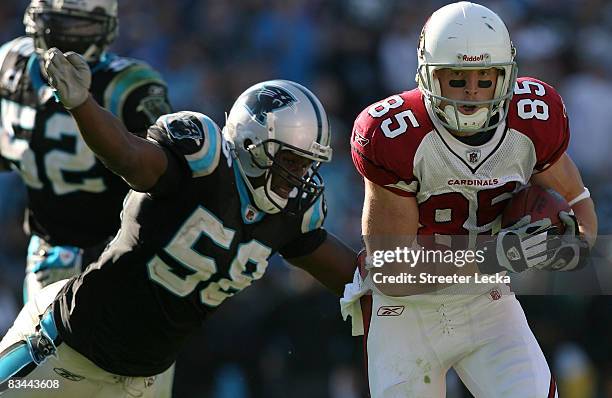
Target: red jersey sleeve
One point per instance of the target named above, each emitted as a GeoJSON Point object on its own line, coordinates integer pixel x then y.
{"type": "Point", "coordinates": [538, 112]}
{"type": "Point", "coordinates": [385, 138]}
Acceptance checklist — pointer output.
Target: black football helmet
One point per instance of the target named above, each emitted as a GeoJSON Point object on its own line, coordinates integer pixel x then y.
{"type": "Point", "coordinates": [86, 27]}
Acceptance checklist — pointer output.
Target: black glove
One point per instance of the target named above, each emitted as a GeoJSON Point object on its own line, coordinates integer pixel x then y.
{"type": "Point", "coordinates": [567, 252]}
{"type": "Point", "coordinates": [516, 248]}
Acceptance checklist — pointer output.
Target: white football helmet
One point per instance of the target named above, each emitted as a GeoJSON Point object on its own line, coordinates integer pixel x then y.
{"type": "Point", "coordinates": [86, 27]}
{"type": "Point", "coordinates": [466, 35]}
{"type": "Point", "coordinates": [273, 116]}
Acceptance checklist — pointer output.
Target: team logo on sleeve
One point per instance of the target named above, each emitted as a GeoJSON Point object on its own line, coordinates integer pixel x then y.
{"type": "Point", "coordinates": [154, 104]}
{"type": "Point", "coordinates": [267, 99]}
{"type": "Point", "coordinates": [473, 156]}
{"type": "Point", "coordinates": [181, 128]}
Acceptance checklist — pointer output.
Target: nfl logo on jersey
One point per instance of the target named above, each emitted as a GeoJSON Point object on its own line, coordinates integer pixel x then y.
{"type": "Point", "coordinates": [250, 213]}
{"type": "Point", "coordinates": [473, 156]}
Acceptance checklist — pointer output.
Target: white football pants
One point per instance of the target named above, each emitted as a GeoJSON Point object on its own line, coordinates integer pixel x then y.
{"type": "Point", "coordinates": [412, 342]}
{"type": "Point", "coordinates": [66, 374]}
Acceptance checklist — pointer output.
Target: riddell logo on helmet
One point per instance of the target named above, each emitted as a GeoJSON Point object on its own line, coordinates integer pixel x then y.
{"type": "Point", "coordinates": [474, 58]}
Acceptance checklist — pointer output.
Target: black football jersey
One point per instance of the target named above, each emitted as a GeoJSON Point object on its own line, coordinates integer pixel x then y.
{"type": "Point", "coordinates": [72, 198]}
{"type": "Point", "coordinates": [180, 252]}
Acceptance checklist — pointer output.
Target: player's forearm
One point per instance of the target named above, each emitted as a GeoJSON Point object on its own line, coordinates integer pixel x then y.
{"type": "Point", "coordinates": [587, 219]}
{"type": "Point", "coordinates": [333, 264]}
{"type": "Point", "coordinates": [104, 134]}
{"type": "Point", "coordinates": [340, 267]}
{"type": "Point", "coordinates": [139, 162]}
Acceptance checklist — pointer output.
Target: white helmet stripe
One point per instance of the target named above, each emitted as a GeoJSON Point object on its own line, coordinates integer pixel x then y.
{"type": "Point", "coordinates": [317, 112]}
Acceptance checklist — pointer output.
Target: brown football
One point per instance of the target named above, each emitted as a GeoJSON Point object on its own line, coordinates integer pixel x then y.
{"type": "Point", "coordinates": [539, 203]}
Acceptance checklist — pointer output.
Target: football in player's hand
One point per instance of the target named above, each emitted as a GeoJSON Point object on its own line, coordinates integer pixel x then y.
{"type": "Point", "coordinates": [537, 202]}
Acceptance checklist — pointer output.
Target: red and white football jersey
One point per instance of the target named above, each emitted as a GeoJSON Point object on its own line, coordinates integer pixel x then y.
{"type": "Point", "coordinates": [399, 144]}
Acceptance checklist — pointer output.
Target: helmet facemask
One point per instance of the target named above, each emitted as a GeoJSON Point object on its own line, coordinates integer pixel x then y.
{"type": "Point", "coordinates": [268, 121]}
{"type": "Point", "coordinates": [86, 33]}
{"type": "Point", "coordinates": [491, 113]}
{"type": "Point", "coordinates": [307, 187]}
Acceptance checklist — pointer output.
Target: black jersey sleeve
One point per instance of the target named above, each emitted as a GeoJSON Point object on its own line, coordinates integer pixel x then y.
{"type": "Point", "coordinates": [192, 142]}
{"type": "Point", "coordinates": [144, 106]}
{"type": "Point", "coordinates": [137, 95]}
{"type": "Point", "coordinates": [304, 244]}
{"type": "Point", "coordinates": [176, 174]}
{"type": "Point", "coordinates": [311, 233]}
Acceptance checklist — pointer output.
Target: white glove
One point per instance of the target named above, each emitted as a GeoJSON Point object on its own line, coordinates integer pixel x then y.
{"type": "Point", "coordinates": [350, 301]}
{"type": "Point", "coordinates": [69, 75]}
{"type": "Point", "coordinates": [350, 304]}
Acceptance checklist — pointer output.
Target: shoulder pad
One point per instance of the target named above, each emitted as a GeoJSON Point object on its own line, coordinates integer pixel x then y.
{"type": "Point", "coordinates": [114, 63]}
{"type": "Point", "coordinates": [191, 135]}
{"type": "Point", "coordinates": [313, 217]}
{"type": "Point", "coordinates": [128, 75]}
{"type": "Point", "coordinates": [385, 138]}
{"type": "Point", "coordinates": [537, 111]}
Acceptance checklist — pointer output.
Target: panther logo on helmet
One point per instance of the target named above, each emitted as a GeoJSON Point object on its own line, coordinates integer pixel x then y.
{"type": "Point", "coordinates": [266, 99]}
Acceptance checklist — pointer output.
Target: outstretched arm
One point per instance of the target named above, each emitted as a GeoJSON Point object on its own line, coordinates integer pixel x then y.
{"type": "Point", "coordinates": [332, 263]}
{"type": "Point", "coordinates": [137, 160]}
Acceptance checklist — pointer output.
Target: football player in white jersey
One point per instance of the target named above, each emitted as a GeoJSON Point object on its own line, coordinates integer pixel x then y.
{"type": "Point", "coordinates": [442, 161]}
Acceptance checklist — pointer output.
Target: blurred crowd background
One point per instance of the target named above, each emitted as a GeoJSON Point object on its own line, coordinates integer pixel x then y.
{"type": "Point", "coordinates": [284, 336]}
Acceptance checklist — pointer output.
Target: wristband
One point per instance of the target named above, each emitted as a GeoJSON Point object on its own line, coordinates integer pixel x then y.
{"type": "Point", "coordinates": [584, 195]}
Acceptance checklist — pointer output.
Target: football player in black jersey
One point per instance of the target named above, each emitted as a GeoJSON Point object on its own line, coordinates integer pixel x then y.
{"type": "Point", "coordinates": [206, 211]}
{"type": "Point", "coordinates": [40, 140]}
